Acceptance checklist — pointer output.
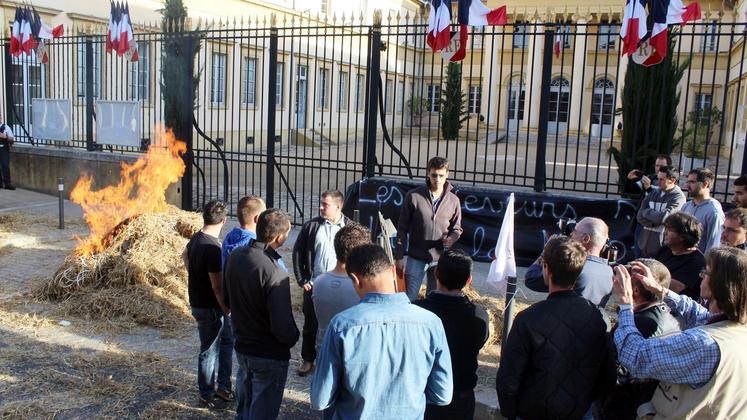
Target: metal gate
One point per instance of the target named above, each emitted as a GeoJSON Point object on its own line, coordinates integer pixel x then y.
{"type": "Point", "coordinates": [287, 109]}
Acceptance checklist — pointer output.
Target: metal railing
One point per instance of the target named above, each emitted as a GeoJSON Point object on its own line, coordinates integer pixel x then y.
{"type": "Point", "coordinates": [289, 109]}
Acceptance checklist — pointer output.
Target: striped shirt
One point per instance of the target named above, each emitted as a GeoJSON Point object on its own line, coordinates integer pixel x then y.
{"type": "Point", "coordinates": [690, 357]}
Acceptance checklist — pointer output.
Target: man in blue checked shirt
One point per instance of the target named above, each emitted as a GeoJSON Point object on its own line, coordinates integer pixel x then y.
{"type": "Point", "coordinates": [701, 368]}
{"type": "Point", "coordinates": [383, 358]}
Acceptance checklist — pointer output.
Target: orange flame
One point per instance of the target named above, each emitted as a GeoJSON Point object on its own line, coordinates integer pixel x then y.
{"type": "Point", "coordinates": [141, 189]}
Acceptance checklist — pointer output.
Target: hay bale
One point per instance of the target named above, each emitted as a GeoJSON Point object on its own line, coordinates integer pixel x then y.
{"type": "Point", "coordinates": [494, 307]}
{"type": "Point", "coordinates": [139, 277]}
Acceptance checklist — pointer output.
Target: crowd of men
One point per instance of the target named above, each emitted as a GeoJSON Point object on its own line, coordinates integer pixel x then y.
{"type": "Point", "coordinates": [377, 352]}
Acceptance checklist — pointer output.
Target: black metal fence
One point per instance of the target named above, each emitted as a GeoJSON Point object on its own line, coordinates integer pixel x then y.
{"type": "Point", "coordinates": [291, 108]}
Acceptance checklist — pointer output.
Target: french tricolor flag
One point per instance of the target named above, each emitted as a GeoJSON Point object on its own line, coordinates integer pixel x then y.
{"type": "Point", "coordinates": [439, 21]}
{"type": "Point", "coordinates": [666, 13]}
{"type": "Point", "coordinates": [558, 42]}
{"type": "Point", "coordinates": [474, 13]}
{"type": "Point", "coordinates": [112, 34]}
{"type": "Point", "coordinates": [633, 25]}
{"type": "Point", "coordinates": [15, 34]}
{"type": "Point", "coordinates": [28, 42]}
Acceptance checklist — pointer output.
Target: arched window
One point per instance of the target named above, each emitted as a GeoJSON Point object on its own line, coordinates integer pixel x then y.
{"type": "Point", "coordinates": [604, 84]}
{"type": "Point", "coordinates": [602, 107]}
{"type": "Point", "coordinates": [560, 94]}
{"type": "Point", "coordinates": [560, 82]}
{"type": "Point", "coordinates": [516, 95]}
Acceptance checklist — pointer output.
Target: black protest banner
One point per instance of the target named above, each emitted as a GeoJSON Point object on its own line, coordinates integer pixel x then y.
{"type": "Point", "coordinates": [536, 215]}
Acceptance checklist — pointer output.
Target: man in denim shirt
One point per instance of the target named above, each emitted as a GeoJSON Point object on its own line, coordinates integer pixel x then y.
{"type": "Point", "coordinates": [383, 358]}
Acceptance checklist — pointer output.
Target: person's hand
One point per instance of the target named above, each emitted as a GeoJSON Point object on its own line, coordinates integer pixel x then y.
{"type": "Point", "coordinates": [399, 265]}
{"type": "Point", "coordinates": [643, 275]}
{"type": "Point", "coordinates": [448, 241]}
{"type": "Point", "coordinates": [308, 286]}
{"type": "Point", "coordinates": [646, 182]}
{"type": "Point", "coordinates": [621, 285]}
{"type": "Point", "coordinates": [633, 174]}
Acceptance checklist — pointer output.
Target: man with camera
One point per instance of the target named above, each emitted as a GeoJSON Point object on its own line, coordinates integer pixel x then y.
{"type": "Point", "coordinates": [637, 182]}
{"type": "Point", "coordinates": [655, 208]}
{"type": "Point", "coordinates": [595, 281]}
{"type": "Point", "coordinates": [701, 368]}
{"type": "Point", "coordinates": [652, 318]}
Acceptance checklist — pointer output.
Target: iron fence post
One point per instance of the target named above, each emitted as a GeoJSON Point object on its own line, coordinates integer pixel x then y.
{"type": "Point", "coordinates": [90, 145]}
{"type": "Point", "coordinates": [186, 119]}
{"type": "Point", "coordinates": [271, 99]}
{"type": "Point", "coordinates": [8, 84]}
{"type": "Point", "coordinates": [508, 314]}
{"type": "Point", "coordinates": [540, 175]}
{"type": "Point", "coordinates": [372, 96]}
{"type": "Point", "coordinates": [60, 193]}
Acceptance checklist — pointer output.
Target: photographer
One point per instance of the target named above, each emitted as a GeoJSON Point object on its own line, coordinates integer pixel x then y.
{"type": "Point", "coordinates": [6, 140]}
{"type": "Point", "coordinates": [701, 368]}
{"type": "Point", "coordinates": [652, 318]}
{"type": "Point", "coordinates": [637, 182]}
{"type": "Point", "coordinates": [655, 208]}
{"type": "Point", "coordinates": [595, 281]}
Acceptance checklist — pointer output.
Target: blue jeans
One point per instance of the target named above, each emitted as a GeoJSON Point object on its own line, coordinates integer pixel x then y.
{"type": "Point", "coordinates": [414, 271]}
{"type": "Point", "coordinates": [259, 384]}
{"type": "Point", "coordinates": [216, 346]}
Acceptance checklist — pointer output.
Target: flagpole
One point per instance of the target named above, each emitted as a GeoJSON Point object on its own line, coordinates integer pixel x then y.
{"type": "Point", "coordinates": [508, 312]}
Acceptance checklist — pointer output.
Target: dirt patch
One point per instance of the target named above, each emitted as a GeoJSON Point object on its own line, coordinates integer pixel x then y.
{"type": "Point", "coordinates": [42, 380]}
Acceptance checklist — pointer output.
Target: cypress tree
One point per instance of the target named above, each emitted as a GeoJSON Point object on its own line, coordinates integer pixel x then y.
{"type": "Point", "coordinates": [649, 110]}
{"type": "Point", "coordinates": [173, 63]}
{"type": "Point", "coordinates": [452, 103]}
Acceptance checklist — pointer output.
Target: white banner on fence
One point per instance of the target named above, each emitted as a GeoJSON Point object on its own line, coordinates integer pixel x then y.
{"type": "Point", "coordinates": [51, 119]}
{"type": "Point", "coordinates": [118, 123]}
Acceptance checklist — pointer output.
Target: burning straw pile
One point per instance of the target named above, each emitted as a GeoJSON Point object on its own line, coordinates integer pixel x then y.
{"type": "Point", "coordinates": [129, 268]}
{"type": "Point", "coordinates": [138, 277]}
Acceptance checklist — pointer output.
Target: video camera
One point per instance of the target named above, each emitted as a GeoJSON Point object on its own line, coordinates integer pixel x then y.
{"type": "Point", "coordinates": [566, 225]}
{"type": "Point", "coordinates": [610, 251]}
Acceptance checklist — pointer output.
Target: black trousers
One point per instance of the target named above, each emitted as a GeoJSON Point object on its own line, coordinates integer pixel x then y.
{"type": "Point", "coordinates": [310, 327]}
{"type": "Point", "coordinates": [5, 166]}
{"type": "Point", "coordinates": [462, 407]}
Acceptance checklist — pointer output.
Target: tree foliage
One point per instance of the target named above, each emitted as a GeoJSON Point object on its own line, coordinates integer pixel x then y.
{"type": "Point", "coordinates": [174, 64]}
{"type": "Point", "coordinates": [649, 110]}
{"type": "Point", "coordinates": [453, 100]}
{"type": "Point", "coordinates": [701, 127]}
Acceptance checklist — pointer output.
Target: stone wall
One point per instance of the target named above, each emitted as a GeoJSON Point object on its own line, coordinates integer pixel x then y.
{"type": "Point", "coordinates": [38, 168]}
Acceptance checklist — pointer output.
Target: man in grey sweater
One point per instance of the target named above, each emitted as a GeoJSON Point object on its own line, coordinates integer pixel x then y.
{"type": "Point", "coordinates": [704, 208]}
{"type": "Point", "coordinates": [655, 208]}
{"type": "Point", "coordinates": [430, 221]}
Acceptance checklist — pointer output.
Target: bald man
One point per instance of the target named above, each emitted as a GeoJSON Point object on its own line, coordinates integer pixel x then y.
{"type": "Point", "coordinates": [595, 281]}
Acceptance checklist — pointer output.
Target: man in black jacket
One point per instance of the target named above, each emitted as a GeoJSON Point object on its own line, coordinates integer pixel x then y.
{"type": "Point", "coordinates": [314, 255]}
{"type": "Point", "coordinates": [466, 327]}
{"type": "Point", "coordinates": [257, 291]}
{"type": "Point", "coordinates": [558, 355]}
